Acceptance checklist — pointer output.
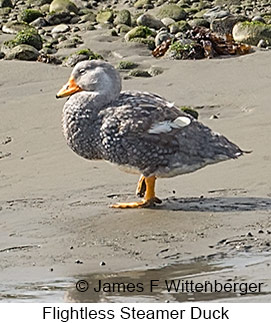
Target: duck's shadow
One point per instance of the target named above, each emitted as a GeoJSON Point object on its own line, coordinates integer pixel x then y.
{"type": "Point", "coordinates": [217, 204]}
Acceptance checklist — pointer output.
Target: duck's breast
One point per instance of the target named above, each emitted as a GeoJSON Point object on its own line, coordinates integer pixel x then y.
{"type": "Point", "coordinates": [81, 129]}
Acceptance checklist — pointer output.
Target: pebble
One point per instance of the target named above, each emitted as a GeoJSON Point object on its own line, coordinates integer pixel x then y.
{"type": "Point", "coordinates": [262, 44]}
{"type": "Point", "coordinates": [214, 116]}
{"type": "Point", "coordinates": [258, 18]}
{"type": "Point", "coordinates": [60, 29]}
{"type": "Point", "coordinates": [215, 12]}
{"type": "Point", "coordinates": [39, 22]}
{"type": "Point", "coordinates": [139, 73]}
{"type": "Point", "coordinates": [154, 70]}
{"type": "Point", "coordinates": [23, 52]}
{"type": "Point", "coordinates": [150, 21]}
{"type": "Point", "coordinates": [83, 16]}
{"type": "Point", "coordinates": [167, 21]}
{"type": "Point", "coordinates": [162, 36]}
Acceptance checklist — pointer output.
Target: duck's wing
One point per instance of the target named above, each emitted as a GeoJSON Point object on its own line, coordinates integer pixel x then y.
{"type": "Point", "coordinates": [144, 116]}
{"type": "Point", "coordinates": [145, 131]}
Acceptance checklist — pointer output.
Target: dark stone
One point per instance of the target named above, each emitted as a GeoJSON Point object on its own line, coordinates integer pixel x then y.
{"type": "Point", "coordinates": [23, 52]}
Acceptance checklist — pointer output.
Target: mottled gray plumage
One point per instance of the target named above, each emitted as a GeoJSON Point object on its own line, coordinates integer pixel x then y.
{"type": "Point", "coordinates": [138, 130]}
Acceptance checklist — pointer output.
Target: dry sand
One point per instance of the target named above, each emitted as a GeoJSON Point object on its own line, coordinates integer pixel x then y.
{"type": "Point", "coordinates": [54, 205]}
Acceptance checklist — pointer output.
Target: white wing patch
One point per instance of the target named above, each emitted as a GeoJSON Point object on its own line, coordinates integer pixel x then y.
{"type": "Point", "coordinates": [182, 121]}
{"type": "Point", "coordinates": [167, 126]}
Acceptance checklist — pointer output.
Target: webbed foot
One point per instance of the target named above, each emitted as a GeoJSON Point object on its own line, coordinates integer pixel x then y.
{"type": "Point", "coordinates": [145, 185]}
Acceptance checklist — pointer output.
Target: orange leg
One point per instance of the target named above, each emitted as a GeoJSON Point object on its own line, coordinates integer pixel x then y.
{"type": "Point", "coordinates": [141, 187]}
{"type": "Point", "coordinates": [149, 197]}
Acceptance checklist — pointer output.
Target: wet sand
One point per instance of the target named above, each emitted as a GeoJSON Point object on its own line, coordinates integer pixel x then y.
{"type": "Point", "coordinates": [55, 219]}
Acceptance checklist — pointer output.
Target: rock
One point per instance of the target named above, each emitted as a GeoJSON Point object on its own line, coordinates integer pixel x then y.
{"type": "Point", "coordinates": [258, 18]}
{"type": "Point", "coordinates": [105, 17]}
{"type": "Point", "coordinates": [161, 36]}
{"type": "Point", "coordinates": [139, 4]}
{"type": "Point", "coordinates": [190, 111]}
{"type": "Point", "coordinates": [172, 11]}
{"type": "Point", "coordinates": [199, 23]}
{"type": "Point", "coordinates": [200, 14]}
{"type": "Point", "coordinates": [13, 27]}
{"type": "Point", "coordinates": [225, 25]}
{"type": "Point", "coordinates": [126, 65]}
{"type": "Point", "coordinates": [72, 60]}
{"type": "Point", "coordinates": [114, 33]}
{"type": "Point", "coordinates": [89, 26]}
{"type": "Point", "coordinates": [58, 18]}
{"type": "Point", "coordinates": [60, 29]}
{"type": "Point", "coordinates": [249, 234]}
{"type": "Point", "coordinates": [215, 13]}
{"type": "Point", "coordinates": [6, 3]}
{"type": "Point", "coordinates": [63, 5]}
{"type": "Point", "coordinates": [185, 3]}
{"type": "Point", "coordinates": [123, 28]}
{"type": "Point", "coordinates": [23, 52]}
{"type": "Point", "coordinates": [236, 9]}
{"type": "Point", "coordinates": [185, 49]}
{"type": "Point", "coordinates": [179, 35]}
{"type": "Point", "coordinates": [45, 8]}
{"type": "Point", "coordinates": [90, 53]}
{"type": "Point", "coordinates": [146, 41]}
{"type": "Point", "coordinates": [262, 44]}
{"type": "Point", "coordinates": [75, 29]}
{"type": "Point", "coordinates": [75, 19]}
{"type": "Point", "coordinates": [173, 29]}
{"type": "Point", "coordinates": [251, 32]}
{"type": "Point", "coordinates": [149, 21]}
{"type": "Point", "coordinates": [28, 36]}
{"type": "Point", "coordinates": [70, 43]}
{"type": "Point", "coordinates": [214, 116]}
{"type": "Point", "coordinates": [2, 55]}
{"type": "Point", "coordinates": [29, 15]}
{"type": "Point", "coordinates": [5, 11]}
{"type": "Point", "coordinates": [168, 21]}
{"type": "Point", "coordinates": [39, 22]}
{"type": "Point", "coordinates": [154, 70]}
{"type": "Point", "coordinates": [81, 55]}
{"type": "Point", "coordinates": [139, 73]}
{"type": "Point", "coordinates": [179, 26]}
{"type": "Point", "coordinates": [89, 17]}
{"type": "Point", "coordinates": [138, 32]}
{"type": "Point", "coordinates": [83, 11]}
{"type": "Point", "coordinates": [49, 51]}
{"type": "Point", "coordinates": [123, 17]}
{"type": "Point", "coordinates": [38, 2]}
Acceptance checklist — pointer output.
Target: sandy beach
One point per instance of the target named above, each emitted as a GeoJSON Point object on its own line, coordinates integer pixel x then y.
{"type": "Point", "coordinates": [56, 224]}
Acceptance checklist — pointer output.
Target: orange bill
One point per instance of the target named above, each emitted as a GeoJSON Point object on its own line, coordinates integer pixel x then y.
{"type": "Point", "coordinates": [68, 89]}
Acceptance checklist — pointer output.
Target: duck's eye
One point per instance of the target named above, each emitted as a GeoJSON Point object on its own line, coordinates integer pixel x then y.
{"type": "Point", "coordinates": [82, 71]}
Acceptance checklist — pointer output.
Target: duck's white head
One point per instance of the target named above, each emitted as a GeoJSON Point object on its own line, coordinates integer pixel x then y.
{"type": "Point", "coordinates": [96, 76]}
